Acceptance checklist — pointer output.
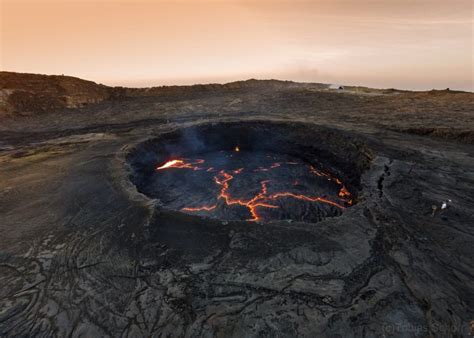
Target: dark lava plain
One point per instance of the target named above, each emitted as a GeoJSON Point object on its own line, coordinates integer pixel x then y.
{"type": "Point", "coordinates": [84, 253]}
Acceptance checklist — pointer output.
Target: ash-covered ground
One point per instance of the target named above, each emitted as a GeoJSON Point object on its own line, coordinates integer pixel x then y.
{"type": "Point", "coordinates": [84, 253]}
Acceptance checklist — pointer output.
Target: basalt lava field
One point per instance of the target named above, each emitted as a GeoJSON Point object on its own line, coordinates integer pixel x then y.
{"type": "Point", "coordinates": [254, 208]}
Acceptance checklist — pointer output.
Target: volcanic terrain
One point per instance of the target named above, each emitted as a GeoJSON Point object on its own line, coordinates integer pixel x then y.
{"type": "Point", "coordinates": [253, 208]}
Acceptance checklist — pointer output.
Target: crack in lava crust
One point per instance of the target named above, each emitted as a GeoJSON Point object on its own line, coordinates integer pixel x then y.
{"type": "Point", "coordinates": [263, 199]}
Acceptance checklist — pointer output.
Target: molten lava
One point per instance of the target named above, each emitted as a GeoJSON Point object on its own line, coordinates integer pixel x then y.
{"type": "Point", "coordinates": [263, 198]}
{"type": "Point", "coordinates": [181, 164]}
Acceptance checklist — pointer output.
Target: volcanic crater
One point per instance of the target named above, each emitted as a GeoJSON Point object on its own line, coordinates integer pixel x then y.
{"type": "Point", "coordinates": [166, 211]}
{"type": "Point", "coordinates": [250, 171]}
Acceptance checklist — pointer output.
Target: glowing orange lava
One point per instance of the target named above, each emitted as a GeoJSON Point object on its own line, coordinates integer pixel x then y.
{"type": "Point", "coordinates": [262, 199]}
{"type": "Point", "coordinates": [209, 208]}
{"type": "Point", "coordinates": [250, 204]}
{"type": "Point", "coordinates": [343, 192]}
{"type": "Point", "coordinates": [180, 164]}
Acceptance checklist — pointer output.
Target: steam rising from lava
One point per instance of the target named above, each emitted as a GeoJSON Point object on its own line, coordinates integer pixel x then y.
{"type": "Point", "coordinates": [263, 199]}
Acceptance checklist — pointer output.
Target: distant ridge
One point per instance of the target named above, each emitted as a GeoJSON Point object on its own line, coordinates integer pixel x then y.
{"type": "Point", "coordinates": [25, 94]}
{"type": "Point", "coordinates": [29, 94]}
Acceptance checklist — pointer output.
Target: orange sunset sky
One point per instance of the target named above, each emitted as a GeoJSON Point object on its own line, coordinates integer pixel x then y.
{"type": "Point", "coordinates": [409, 44]}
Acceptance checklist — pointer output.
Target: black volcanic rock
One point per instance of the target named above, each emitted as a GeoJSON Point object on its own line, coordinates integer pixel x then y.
{"type": "Point", "coordinates": [34, 93]}
{"type": "Point", "coordinates": [29, 94]}
{"type": "Point", "coordinates": [84, 253]}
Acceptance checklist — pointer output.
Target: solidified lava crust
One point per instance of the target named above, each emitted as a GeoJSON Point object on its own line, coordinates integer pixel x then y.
{"type": "Point", "coordinates": [250, 171]}
{"type": "Point", "coordinates": [93, 243]}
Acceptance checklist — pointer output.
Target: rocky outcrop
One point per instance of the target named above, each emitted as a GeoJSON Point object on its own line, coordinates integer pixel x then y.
{"type": "Point", "coordinates": [27, 94]}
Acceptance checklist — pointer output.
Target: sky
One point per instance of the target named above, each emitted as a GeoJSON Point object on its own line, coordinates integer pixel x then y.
{"type": "Point", "coordinates": [407, 44]}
